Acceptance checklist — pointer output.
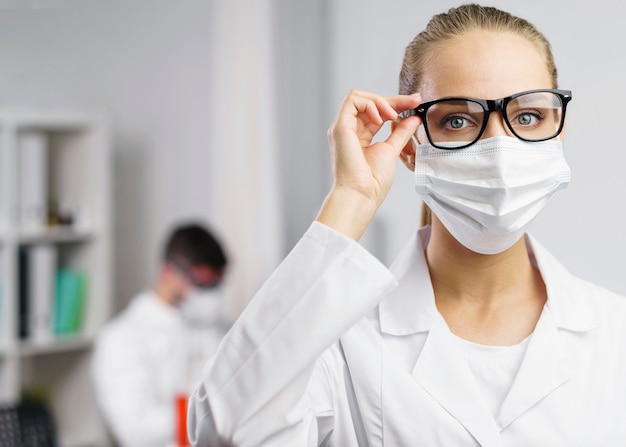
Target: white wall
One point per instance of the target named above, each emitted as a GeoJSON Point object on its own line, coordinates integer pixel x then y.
{"type": "Point", "coordinates": [158, 69]}
{"type": "Point", "coordinates": [148, 63]}
{"type": "Point", "coordinates": [583, 225]}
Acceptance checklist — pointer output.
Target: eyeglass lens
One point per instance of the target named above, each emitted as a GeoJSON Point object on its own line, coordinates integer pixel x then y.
{"type": "Point", "coordinates": [532, 116]}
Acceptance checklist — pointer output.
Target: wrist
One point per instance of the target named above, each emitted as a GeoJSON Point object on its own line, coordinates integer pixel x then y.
{"type": "Point", "coordinates": [347, 211]}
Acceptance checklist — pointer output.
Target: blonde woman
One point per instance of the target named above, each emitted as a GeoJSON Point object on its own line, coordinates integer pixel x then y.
{"type": "Point", "coordinates": [476, 336]}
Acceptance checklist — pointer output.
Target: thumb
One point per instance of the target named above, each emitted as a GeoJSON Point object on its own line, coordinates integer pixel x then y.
{"type": "Point", "coordinates": [401, 132]}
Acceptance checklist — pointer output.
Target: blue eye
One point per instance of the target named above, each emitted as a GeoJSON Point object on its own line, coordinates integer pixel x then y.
{"type": "Point", "coordinates": [527, 119]}
{"type": "Point", "coordinates": [457, 123]}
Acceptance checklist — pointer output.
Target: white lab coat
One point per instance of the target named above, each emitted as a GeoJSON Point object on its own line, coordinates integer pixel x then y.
{"type": "Point", "coordinates": [142, 359]}
{"type": "Point", "coordinates": [337, 350]}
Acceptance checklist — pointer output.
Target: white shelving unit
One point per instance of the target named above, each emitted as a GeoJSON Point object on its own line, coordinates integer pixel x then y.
{"type": "Point", "coordinates": [78, 172]}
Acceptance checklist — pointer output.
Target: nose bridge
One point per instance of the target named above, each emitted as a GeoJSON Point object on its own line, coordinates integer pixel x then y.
{"type": "Point", "coordinates": [496, 122]}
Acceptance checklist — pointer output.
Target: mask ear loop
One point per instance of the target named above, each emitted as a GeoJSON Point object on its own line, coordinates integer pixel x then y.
{"type": "Point", "coordinates": [410, 159]}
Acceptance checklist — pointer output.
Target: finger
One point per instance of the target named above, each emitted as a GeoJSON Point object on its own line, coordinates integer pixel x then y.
{"type": "Point", "coordinates": [371, 110]}
{"type": "Point", "coordinates": [376, 108]}
{"type": "Point", "coordinates": [354, 109]}
{"type": "Point", "coordinates": [360, 112]}
{"type": "Point", "coordinates": [381, 109]}
{"type": "Point", "coordinates": [402, 133]}
{"type": "Point", "coordinates": [400, 103]}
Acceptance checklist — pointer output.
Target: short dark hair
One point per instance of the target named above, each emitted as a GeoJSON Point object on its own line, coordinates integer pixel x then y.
{"type": "Point", "coordinates": [193, 244]}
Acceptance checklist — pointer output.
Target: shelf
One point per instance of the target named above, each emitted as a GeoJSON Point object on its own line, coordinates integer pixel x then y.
{"type": "Point", "coordinates": [54, 235]}
{"type": "Point", "coordinates": [54, 345]}
{"type": "Point", "coordinates": [61, 158]}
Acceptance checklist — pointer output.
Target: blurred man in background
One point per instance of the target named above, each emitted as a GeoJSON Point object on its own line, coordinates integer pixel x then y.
{"type": "Point", "coordinates": [149, 357]}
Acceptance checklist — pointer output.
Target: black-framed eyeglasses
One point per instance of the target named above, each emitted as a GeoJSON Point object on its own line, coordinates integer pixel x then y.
{"type": "Point", "coordinates": [457, 122]}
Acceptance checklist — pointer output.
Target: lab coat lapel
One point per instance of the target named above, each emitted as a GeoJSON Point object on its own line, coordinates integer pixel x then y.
{"type": "Point", "coordinates": [548, 361]}
{"type": "Point", "coordinates": [441, 371]}
{"type": "Point", "coordinates": [544, 368]}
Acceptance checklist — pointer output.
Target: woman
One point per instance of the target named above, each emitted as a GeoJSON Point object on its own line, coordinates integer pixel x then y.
{"type": "Point", "coordinates": [476, 335]}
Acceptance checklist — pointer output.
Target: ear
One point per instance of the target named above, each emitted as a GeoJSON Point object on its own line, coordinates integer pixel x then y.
{"type": "Point", "coordinates": [408, 152]}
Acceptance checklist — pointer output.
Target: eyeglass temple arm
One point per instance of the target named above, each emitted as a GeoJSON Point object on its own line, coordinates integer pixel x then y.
{"type": "Point", "coordinates": [407, 113]}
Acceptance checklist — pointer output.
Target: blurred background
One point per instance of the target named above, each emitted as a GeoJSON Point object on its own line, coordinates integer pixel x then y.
{"type": "Point", "coordinates": [218, 110]}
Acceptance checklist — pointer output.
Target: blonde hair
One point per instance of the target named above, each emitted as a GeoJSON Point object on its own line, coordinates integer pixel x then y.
{"type": "Point", "coordinates": [453, 24]}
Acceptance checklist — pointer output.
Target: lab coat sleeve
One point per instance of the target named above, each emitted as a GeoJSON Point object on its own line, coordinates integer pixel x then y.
{"type": "Point", "coordinates": [122, 384]}
{"type": "Point", "coordinates": [254, 389]}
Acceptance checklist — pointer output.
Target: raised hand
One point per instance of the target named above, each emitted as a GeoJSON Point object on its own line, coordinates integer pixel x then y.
{"type": "Point", "coordinates": [364, 171]}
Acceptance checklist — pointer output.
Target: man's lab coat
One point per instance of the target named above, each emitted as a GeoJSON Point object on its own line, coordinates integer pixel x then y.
{"type": "Point", "coordinates": [143, 359]}
{"type": "Point", "coordinates": [337, 350]}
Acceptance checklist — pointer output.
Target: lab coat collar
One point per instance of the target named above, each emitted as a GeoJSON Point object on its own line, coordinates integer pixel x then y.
{"type": "Point", "coordinates": [570, 307]}
{"type": "Point", "coordinates": [410, 307]}
{"type": "Point", "coordinates": [441, 371]}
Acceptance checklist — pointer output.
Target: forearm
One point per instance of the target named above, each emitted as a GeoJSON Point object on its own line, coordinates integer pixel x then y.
{"type": "Point", "coordinates": [261, 370]}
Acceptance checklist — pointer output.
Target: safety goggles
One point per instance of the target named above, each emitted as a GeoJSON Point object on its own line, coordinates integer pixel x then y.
{"type": "Point", "coordinates": [199, 276]}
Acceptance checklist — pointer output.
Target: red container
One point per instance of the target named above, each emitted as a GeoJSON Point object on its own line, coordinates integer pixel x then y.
{"type": "Point", "coordinates": [181, 421]}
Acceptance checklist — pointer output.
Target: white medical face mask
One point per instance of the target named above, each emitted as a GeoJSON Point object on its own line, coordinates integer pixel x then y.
{"type": "Point", "coordinates": [486, 195]}
{"type": "Point", "coordinates": [202, 306]}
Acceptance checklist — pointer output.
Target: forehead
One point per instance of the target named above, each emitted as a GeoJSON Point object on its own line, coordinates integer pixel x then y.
{"type": "Point", "coordinates": [484, 64]}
